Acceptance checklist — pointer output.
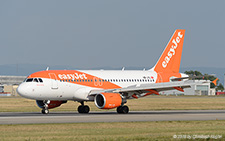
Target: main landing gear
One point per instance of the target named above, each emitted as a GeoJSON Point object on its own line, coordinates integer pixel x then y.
{"type": "Point", "coordinates": [45, 107]}
{"type": "Point", "coordinates": [83, 108]}
{"type": "Point", "coordinates": [122, 110]}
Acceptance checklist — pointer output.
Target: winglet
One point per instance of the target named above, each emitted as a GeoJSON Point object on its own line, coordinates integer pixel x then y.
{"type": "Point", "coordinates": [171, 56]}
{"type": "Point", "coordinates": [215, 81]}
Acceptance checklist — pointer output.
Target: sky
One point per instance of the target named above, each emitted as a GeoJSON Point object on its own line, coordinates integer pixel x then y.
{"type": "Point", "coordinates": [118, 33]}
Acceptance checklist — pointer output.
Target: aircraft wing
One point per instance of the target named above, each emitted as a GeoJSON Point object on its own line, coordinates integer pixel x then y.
{"type": "Point", "coordinates": [147, 89]}
{"type": "Point", "coordinates": [189, 77]}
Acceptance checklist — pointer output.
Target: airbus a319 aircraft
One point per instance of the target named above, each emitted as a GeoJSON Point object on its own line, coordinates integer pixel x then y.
{"type": "Point", "coordinates": [108, 89]}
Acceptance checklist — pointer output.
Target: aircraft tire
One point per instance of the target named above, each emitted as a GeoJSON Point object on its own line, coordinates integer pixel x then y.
{"type": "Point", "coordinates": [119, 109]}
{"type": "Point", "coordinates": [45, 111]}
{"type": "Point", "coordinates": [125, 109]}
{"type": "Point", "coordinates": [122, 110]}
{"type": "Point", "coordinates": [83, 109]}
{"type": "Point", "coordinates": [80, 109]}
{"type": "Point", "coordinates": [86, 109]}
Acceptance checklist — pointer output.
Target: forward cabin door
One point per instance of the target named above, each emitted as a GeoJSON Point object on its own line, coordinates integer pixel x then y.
{"type": "Point", "coordinates": [54, 83]}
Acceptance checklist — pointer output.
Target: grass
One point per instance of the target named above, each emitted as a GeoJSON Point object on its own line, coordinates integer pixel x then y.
{"type": "Point", "coordinates": [113, 131]}
{"type": "Point", "coordinates": [15, 104]}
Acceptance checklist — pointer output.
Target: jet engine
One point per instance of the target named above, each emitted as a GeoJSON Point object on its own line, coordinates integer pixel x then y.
{"type": "Point", "coordinates": [108, 100]}
{"type": "Point", "coordinates": [51, 104]}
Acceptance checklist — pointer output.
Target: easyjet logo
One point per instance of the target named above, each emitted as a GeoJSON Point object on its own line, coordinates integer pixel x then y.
{"type": "Point", "coordinates": [172, 50]}
{"type": "Point", "coordinates": [72, 76]}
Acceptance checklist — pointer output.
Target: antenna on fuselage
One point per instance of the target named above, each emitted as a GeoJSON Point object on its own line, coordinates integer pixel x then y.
{"type": "Point", "coordinates": [123, 68]}
{"type": "Point", "coordinates": [47, 68]}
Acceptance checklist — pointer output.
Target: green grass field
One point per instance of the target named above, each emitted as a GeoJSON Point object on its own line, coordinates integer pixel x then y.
{"type": "Point", "coordinates": [163, 130]}
{"type": "Point", "coordinates": [12, 104]}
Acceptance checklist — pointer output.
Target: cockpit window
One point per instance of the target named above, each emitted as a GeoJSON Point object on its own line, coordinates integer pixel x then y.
{"type": "Point", "coordinates": [40, 80]}
{"type": "Point", "coordinates": [29, 80]}
{"type": "Point", "coordinates": [35, 80]}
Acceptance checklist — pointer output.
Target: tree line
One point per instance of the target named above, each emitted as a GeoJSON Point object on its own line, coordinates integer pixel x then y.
{"type": "Point", "coordinates": [199, 76]}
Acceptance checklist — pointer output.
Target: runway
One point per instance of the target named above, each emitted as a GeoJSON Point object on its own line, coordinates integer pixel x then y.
{"type": "Point", "coordinates": [104, 116]}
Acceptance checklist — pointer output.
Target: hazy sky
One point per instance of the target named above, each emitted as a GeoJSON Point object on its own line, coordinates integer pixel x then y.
{"type": "Point", "coordinates": [116, 33]}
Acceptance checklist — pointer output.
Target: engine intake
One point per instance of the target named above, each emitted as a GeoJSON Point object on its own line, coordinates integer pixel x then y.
{"type": "Point", "coordinates": [108, 100]}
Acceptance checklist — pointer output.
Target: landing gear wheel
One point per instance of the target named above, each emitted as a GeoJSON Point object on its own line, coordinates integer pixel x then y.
{"type": "Point", "coordinates": [44, 111]}
{"type": "Point", "coordinates": [86, 109]}
{"type": "Point", "coordinates": [122, 110]}
{"type": "Point", "coordinates": [125, 110]}
{"type": "Point", "coordinates": [83, 109]}
{"type": "Point", "coordinates": [119, 109]}
{"type": "Point", "coordinates": [80, 109]}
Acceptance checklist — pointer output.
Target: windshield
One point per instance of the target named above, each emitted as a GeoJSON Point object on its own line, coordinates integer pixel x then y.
{"type": "Point", "coordinates": [37, 80]}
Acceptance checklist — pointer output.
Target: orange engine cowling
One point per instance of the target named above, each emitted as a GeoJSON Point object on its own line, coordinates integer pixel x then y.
{"type": "Point", "coordinates": [108, 100]}
{"type": "Point", "coordinates": [51, 104]}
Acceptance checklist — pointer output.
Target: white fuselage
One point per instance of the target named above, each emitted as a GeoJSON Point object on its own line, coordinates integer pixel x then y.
{"type": "Point", "coordinates": [68, 89]}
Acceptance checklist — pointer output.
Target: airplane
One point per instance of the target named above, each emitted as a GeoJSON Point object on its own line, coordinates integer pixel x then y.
{"type": "Point", "coordinates": [108, 89]}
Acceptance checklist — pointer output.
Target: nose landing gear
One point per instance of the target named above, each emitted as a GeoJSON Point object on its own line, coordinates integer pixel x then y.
{"type": "Point", "coordinates": [45, 107]}
{"type": "Point", "coordinates": [44, 111]}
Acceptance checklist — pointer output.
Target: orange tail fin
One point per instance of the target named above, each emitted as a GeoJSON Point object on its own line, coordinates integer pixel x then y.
{"type": "Point", "coordinates": [171, 57]}
{"type": "Point", "coordinates": [214, 81]}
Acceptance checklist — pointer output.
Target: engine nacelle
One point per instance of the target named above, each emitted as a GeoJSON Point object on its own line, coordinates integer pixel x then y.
{"type": "Point", "coordinates": [108, 100]}
{"type": "Point", "coordinates": [51, 104]}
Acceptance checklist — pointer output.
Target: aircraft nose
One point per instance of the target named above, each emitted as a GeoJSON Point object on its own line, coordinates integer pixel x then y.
{"type": "Point", "coordinates": [21, 90]}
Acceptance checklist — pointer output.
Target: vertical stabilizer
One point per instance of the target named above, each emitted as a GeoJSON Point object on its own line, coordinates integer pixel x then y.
{"type": "Point", "coordinates": [171, 57]}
